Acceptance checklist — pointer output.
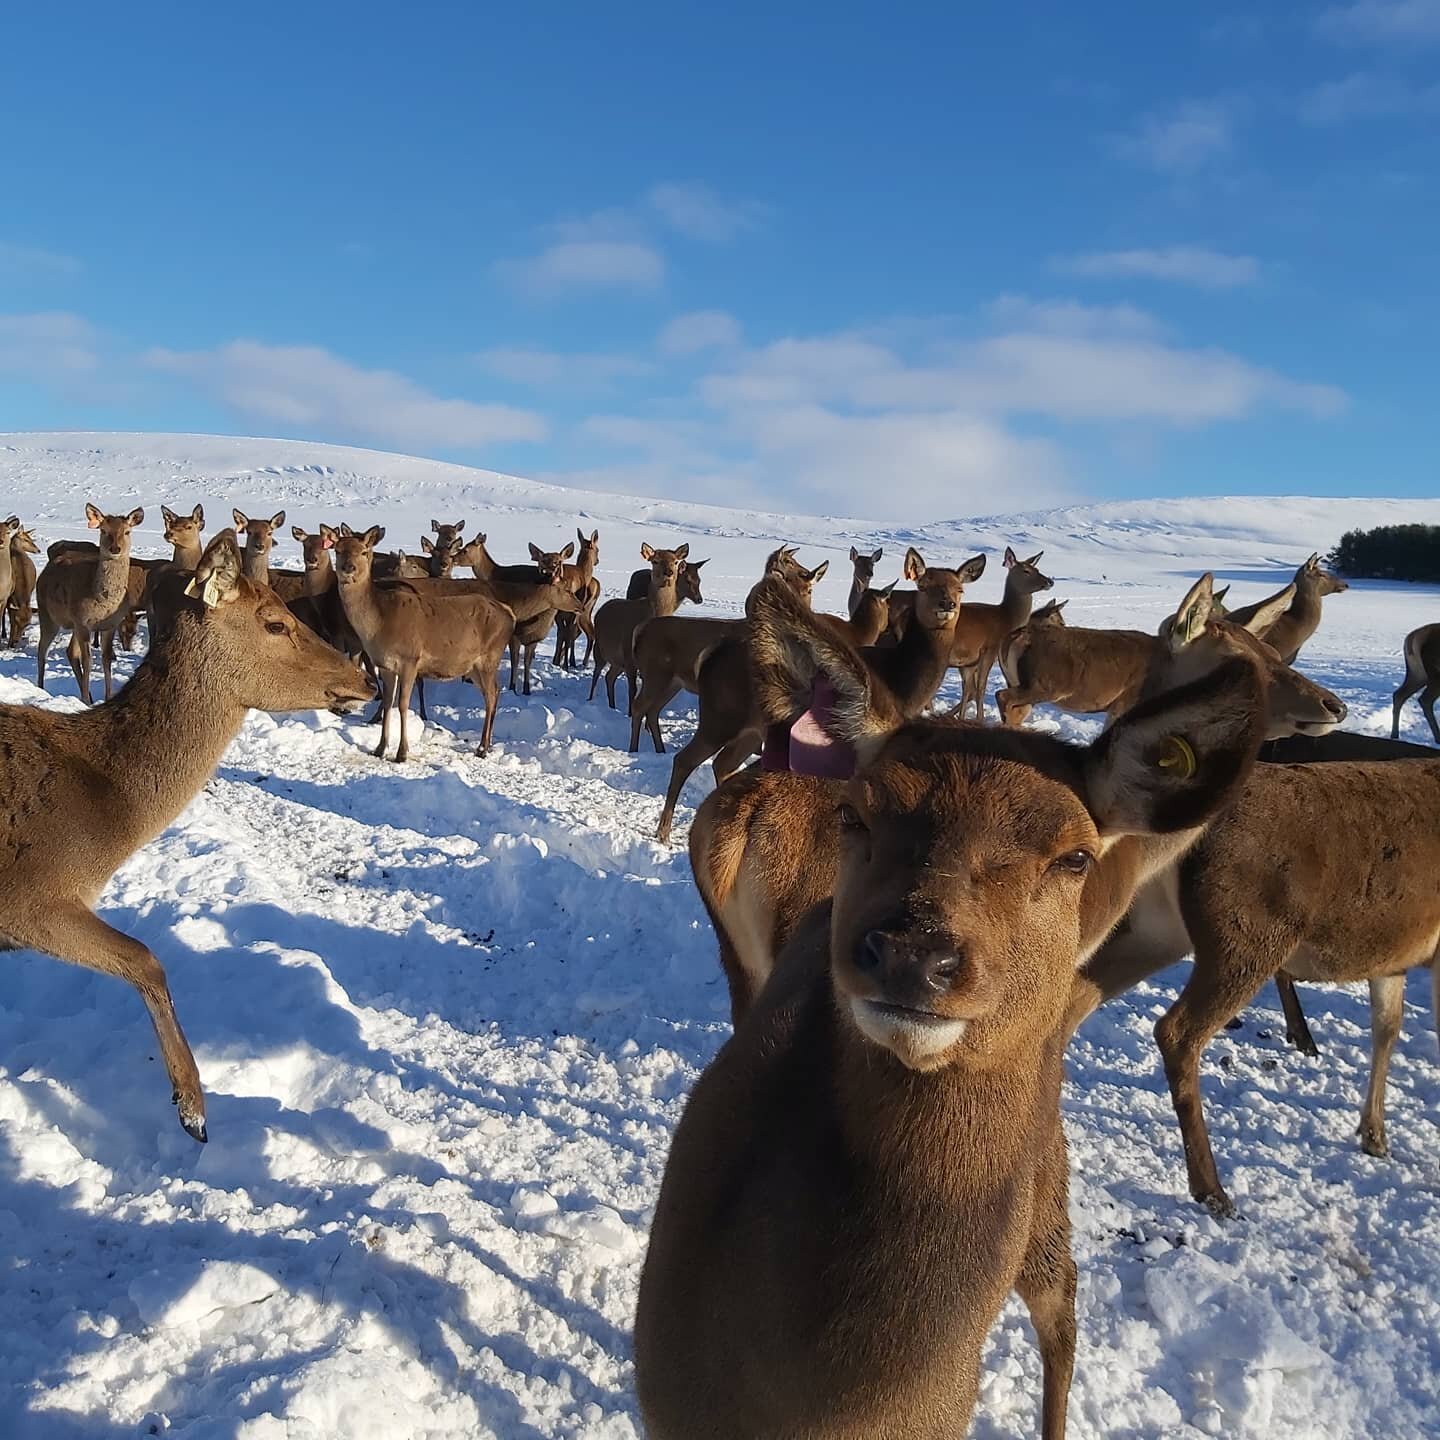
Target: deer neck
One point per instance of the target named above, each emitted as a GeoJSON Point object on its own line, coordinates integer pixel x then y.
{"type": "Point", "coordinates": [1015, 605]}
{"type": "Point", "coordinates": [664, 599]}
{"type": "Point", "coordinates": [915, 668]}
{"type": "Point", "coordinates": [483, 565]}
{"type": "Point", "coordinates": [319, 580]}
{"type": "Point", "coordinates": [858, 588]}
{"type": "Point", "coordinates": [257, 564]}
{"type": "Point", "coordinates": [7, 568]}
{"type": "Point", "coordinates": [111, 580]}
{"type": "Point", "coordinates": [187, 554]}
{"type": "Point", "coordinates": [362, 608]}
{"type": "Point", "coordinates": [1305, 607]}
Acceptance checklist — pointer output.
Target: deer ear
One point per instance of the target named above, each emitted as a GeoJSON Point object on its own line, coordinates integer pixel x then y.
{"type": "Point", "coordinates": [683, 550]}
{"type": "Point", "coordinates": [1271, 611]}
{"type": "Point", "coordinates": [581, 534]}
{"type": "Point", "coordinates": [875, 558]}
{"type": "Point", "coordinates": [216, 580]}
{"type": "Point", "coordinates": [168, 515]}
{"type": "Point", "coordinates": [241, 520]}
{"type": "Point", "coordinates": [328, 535]}
{"type": "Point", "coordinates": [885, 592]}
{"type": "Point", "coordinates": [435, 527]}
{"type": "Point", "coordinates": [697, 564]}
{"type": "Point", "coordinates": [481, 537]}
{"type": "Point", "coordinates": [595, 536]}
{"type": "Point", "coordinates": [427, 544]}
{"type": "Point", "coordinates": [136, 517]}
{"type": "Point", "coordinates": [1189, 621]}
{"type": "Point", "coordinates": [568, 551]}
{"type": "Point", "coordinates": [1179, 757]}
{"type": "Point", "coordinates": [277, 520]}
{"type": "Point", "coordinates": [1035, 558]}
{"type": "Point", "coordinates": [818, 573]}
{"type": "Point", "coordinates": [198, 516]}
{"type": "Point", "coordinates": [1009, 558]}
{"type": "Point", "coordinates": [345, 529]}
{"type": "Point", "coordinates": [93, 516]}
{"type": "Point", "coordinates": [296, 533]}
{"type": "Point", "coordinates": [914, 564]}
{"type": "Point", "coordinates": [373, 536]}
{"type": "Point", "coordinates": [647, 551]}
{"type": "Point", "coordinates": [854, 554]}
{"type": "Point", "coordinates": [1313, 563]}
{"type": "Point", "coordinates": [972, 569]}
{"type": "Point", "coordinates": [1060, 605]}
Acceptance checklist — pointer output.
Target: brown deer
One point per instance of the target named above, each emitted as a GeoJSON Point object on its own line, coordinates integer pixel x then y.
{"type": "Point", "coordinates": [728, 725]}
{"type": "Point", "coordinates": [763, 849]}
{"type": "Point", "coordinates": [1422, 673]}
{"type": "Point", "coordinates": [862, 577]}
{"type": "Point", "coordinates": [781, 564]}
{"type": "Point", "coordinates": [88, 596]}
{"type": "Point", "coordinates": [616, 620]}
{"type": "Point", "coordinates": [9, 530]}
{"type": "Point", "coordinates": [547, 569]}
{"type": "Point", "coordinates": [1093, 671]}
{"type": "Point", "coordinates": [259, 542]}
{"type": "Point", "coordinates": [1301, 617]}
{"type": "Point", "coordinates": [581, 575]}
{"type": "Point", "coordinates": [876, 1159]}
{"type": "Point", "coordinates": [982, 630]}
{"type": "Point", "coordinates": [87, 790]}
{"type": "Point", "coordinates": [1317, 871]}
{"type": "Point", "coordinates": [22, 586]}
{"type": "Point", "coordinates": [185, 535]}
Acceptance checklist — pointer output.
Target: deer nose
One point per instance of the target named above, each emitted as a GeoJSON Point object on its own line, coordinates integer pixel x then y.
{"type": "Point", "coordinates": [1338, 708]}
{"type": "Point", "coordinates": [896, 957]}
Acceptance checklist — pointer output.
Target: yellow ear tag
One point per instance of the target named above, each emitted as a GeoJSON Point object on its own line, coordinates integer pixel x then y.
{"type": "Point", "coordinates": [208, 594]}
{"type": "Point", "coordinates": [1177, 756]}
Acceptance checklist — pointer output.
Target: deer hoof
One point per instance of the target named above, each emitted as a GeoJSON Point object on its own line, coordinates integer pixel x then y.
{"type": "Point", "coordinates": [1304, 1045]}
{"type": "Point", "coordinates": [1219, 1204]}
{"type": "Point", "coordinates": [1373, 1142]}
{"type": "Point", "coordinates": [192, 1117]}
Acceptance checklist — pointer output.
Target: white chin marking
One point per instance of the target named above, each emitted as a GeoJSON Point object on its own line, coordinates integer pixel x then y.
{"type": "Point", "coordinates": [909, 1037]}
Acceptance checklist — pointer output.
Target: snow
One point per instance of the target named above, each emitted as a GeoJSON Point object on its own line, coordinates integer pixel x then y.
{"type": "Point", "coordinates": [447, 1014]}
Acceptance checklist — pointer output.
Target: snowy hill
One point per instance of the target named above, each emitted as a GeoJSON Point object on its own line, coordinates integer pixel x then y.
{"type": "Point", "coordinates": [447, 1014]}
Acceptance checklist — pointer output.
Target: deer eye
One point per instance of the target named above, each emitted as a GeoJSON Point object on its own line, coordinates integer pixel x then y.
{"type": "Point", "coordinates": [850, 821]}
{"type": "Point", "coordinates": [1073, 862]}
{"type": "Point", "coordinates": [277, 627]}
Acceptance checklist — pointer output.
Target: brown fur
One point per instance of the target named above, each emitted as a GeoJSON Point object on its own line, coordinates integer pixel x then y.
{"type": "Point", "coordinates": [581, 578]}
{"type": "Point", "coordinates": [862, 573]}
{"type": "Point", "coordinates": [259, 542]}
{"type": "Point", "coordinates": [617, 620]}
{"type": "Point", "coordinates": [84, 791]}
{"type": "Point", "coordinates": [20, 605]}
{"type": "Point", "coordinates": [876, 1159]}
{"type": "Point", "coordinates": [982, 630]}
{"type": "Point", "coordinates": [1422, 674]}
{"type": "Point", "coordinates": [1299, 620]}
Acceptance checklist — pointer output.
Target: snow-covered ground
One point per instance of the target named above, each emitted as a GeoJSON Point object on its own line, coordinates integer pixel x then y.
{"type": "Point", "coordinates": [447, 1014]}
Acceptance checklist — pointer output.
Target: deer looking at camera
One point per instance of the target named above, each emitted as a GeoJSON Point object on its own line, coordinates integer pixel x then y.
{"type": "Point", "coordinates": [259, 542]}
{"type": "Point", "coordinates": [84, 791]}
{"type": "Point", "coordinates": [87, 597]}
{"type": "Point", "coordinates": [1422, 675]}
{"type": "Point", "coordinates": [581, 578]}
{"type": "Point", "coordinates": [763, 850]}
{"type": "Point", "coordinates": [982, 630]}
{"type": "Point", "coordinates": [616, 620]}
{"type": "Point", "coordinates": [1300, 617]}
{"type": "Point", "coordinates": [862, 573]}
{"type": "Point", "coordinates": [20, 605]}
{"type": "Point", "coordinates": [185, 536]}
{"type": "Point", "coordinates": [875, 1159]}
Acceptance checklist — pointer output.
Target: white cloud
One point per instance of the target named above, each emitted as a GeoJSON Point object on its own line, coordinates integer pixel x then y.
{"type": "Point", "coordinates": [1183, 141]}
{"type": "Point", "coordinates": [307, 387]}
{"type": "Point", "coordinates": [48, 345]}
{"type": "Point", "coordinates": [25, 261]}
{"type": "Point", "coordinates": [555, 367]}
{"type": "Point", "coordinates": [1366, 94]}
{"type": "Point", "coordinates": [1183, 264]}
{"type": "Point", "coordinates": [1383, 22]}
{"type": "Point", "coordinates": [697, 211]}
{"type": "Point", "coordinates": [596, 264]}
{"type": "Point", "coordinates": [699, 330]}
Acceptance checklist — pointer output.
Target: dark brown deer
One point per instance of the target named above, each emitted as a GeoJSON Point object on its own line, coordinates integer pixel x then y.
{"type": "Point", "coordinates": [88, 596]}
{"type": "Point", "coordinates": [781, 564]}
{"type": "Point", "coordinates": [616, 620]}
{"type": "Point", "coordinates": [84, 791]}
{"type": "Point", "coordinates": [581, 575]}
{"type": "Point", "coordinates": [728, 725]}
{"type": "Point", "coordinates": [20, 605]}
{"type": "Point", "coordinates": [259, 542]}
{"type": "Point", "coordinates": [875, 1159]}
{"type": "Point", "coordinates": [1422, 674]}
{"type": "Point", "coordinates": [763, 849]}
{"type": "Point", "coordinates": [982, 630]}
{"type": "Point", "coordinates": [1299, 620]}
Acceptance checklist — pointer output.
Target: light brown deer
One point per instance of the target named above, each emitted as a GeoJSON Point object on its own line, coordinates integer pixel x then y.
{"type": "Point", "coordinates": [982, 630]}
{"type": "Point", "coordinates": [86, 596]}
{"type": "Point", "coordinates": [1422, 674]}
{"type": "Point", "coordinates": [9, 530]}
{"type": "Point", "coordinates": [411, 628]}
{"type": "Point", "coordinates": [22, 586]}
{"type": "Point", "coordinates": [1321, 872]}
{"type": "Point", "coordinates": [580, 575]}
{"type": "Point", "coordinates": [185, 535]}
{"type": "Point", "coordinates": [763, 849]}
{"type": "Point", "coordinates": [1093, 671]}
{"type": "Point", "coordinates": [862, 576]}
{"type": "Point", "coordinates": [876, 1159]}
{"type": "Point", "coordinates": [1301, 617]}
{"type": "Point", "coordinates": [259, 542]}
{"type": "Point", "coordinates": [84, 791]}
{"type": "Point", "coordinates": [616, 620]}
{"type": "Point", "coordinates": [728, 725]}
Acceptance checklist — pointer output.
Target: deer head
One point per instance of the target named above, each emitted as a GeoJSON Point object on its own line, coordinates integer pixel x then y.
{"type": "Point", "coordinates": [114, 536]}
{"type": "Point", "coordinates": [1320, 581]}
{"type": "Point", "coordinates": [355, 554]}
{"type": "Point", "coordinates": [1024, 575]}
{"type": "Point", "coordinates": [864, 565]}
{"type": "Point", "coordinates": [314, 545]}
{"type": "Point", "coordinates": [939, 590]}
{"type": "Point", "coordinates": [551, 563]}
{"type": "Point", "coordinates": [183, 530]}
{"type": "Point", "coordinates": [664, 564]}
{"type": "Point", "coordinates": [689, 585]}
{"type": "Point", "coordinates": [259, 534]}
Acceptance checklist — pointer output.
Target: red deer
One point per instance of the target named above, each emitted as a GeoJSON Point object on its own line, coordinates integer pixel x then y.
{"type": "Point", "coordinates": [875, 1159]}
{"type": "Point", "coordinates": [259, 542]}
{"type": "Point", "coordinates": [22, 589]}
{"type": "Point", "coordinates": [982, 630]}
{"type": "Point", "coordinates": [581, 576]}
{"type": "Point", "coordinates": [85, 791]}
{"type": "Point", "coordinates": [1422, 673]}
{"type": "Point", "coordinates": [616, 620]}
{"type": "Point", "coordinates": [1301, 617]}
{"type": "Point", "coordinates": [862, 577]}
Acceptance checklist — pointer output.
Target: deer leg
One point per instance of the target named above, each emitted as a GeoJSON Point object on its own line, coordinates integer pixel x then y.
{"type": "Point", "coordinates": [71, 932]}
{"type": "Point", "coordinates": [405, 683]}
{"type": "Point", "coordinates": [735, 754]}
{"type": "Point", "coordinates": [388, 684]}
{"type": "Point", "coordinates": [1046, 1284]}
{"type": "Point", "coordinates": [1387, 1010]}
{"type": "Point", "coordinates": [420, 698]}
{"type": "Point", "coordinates": [514, 666]}
{"type": "Point", "coordinates": [1220, 986]}
{"type": "Point", "coordinates": [487, 681]}
{"type": "Point", "coordinates": [79, 652]}
{"type": "Point", "coordinates": [530, 650]}
{"type": "Point", "coordinates": [48, 630]}
{"type": "Point", "coordinates": [1408, 687]}
{"type": "Point", "coordinates": [687, 761]}
{"type": "Point", "coordinates": [1297, 1031]}
{"type": "Point", "coordinates": [652, 718]}
{"type": "Point", "coordinates": [612, 674]}
{"type": "Point", "coordinates": [1428, 696]}
{"type": "Point", "coordinates": [595, 676]}
{"type": "Point", "coordinates": [983, 667]}
{"type": "Point", "coordinates": [107, 660]}
{"type": "Point", "coordinates": [586, 623]}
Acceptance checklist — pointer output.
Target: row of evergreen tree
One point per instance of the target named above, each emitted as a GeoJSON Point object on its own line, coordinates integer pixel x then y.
{"type": "Point", "coordinates": [1389, 552]}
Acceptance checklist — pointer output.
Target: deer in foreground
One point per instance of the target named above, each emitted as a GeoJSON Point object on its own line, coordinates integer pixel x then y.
{"type": "Point", "coordinates": [1093, 671]}
{"type": "Point", "coordinates": [88, 596]}
{"type": "Point", "coordinates": [84, 791]}
{"type": "Point", "coordinates": [581, 577]}
{"type": "Point", "coordinates": [1301, 617]}
{"type": "Point", "coordinates": [728, 725]}
{"type": "Point", "coordinates": [875, 1159]}
{"type": "Point", "coordinates": [259, 542]}
{"type": "Point", "coordinates": [1422, 673]}
{"type": "Point", "coordinates": [982, 630]}
{"type": "Point", "coordinates": [22, 586]}
{"type": "Point", "coordinates": [862, 573]}
{"type": "Point", "coordinates": [411, 628]}
{"type": "Point", "coordinates": [616, 620]}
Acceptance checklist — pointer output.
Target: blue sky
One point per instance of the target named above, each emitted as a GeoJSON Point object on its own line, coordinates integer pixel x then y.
{"type": "Point", "coordinates": [902, 260]}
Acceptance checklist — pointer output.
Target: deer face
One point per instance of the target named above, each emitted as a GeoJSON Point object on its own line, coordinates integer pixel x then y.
{"type": "Point", "coordinates": [864, 565]}
{"type": "Point", "coordinates": [1050, 613]}
{"type": "Point", "coordinates": [259, 534]}
{"type": "Point", "coordinates": [589, 551]}
{"type": "Point", "coordinates": [24, 540]}
{"type": "Point", "coordinates": [314, 548]}
{"type": "Point", "coordinates": [664, 564]}
{"type": "Point", "coordinates": [551, 563]}
{"type": "Point", "coordinates": [1199, 641]}
{"type": "Point", "coordinates": [1321, 582]}
{"type": "Point", "coordinates": [183, 530]}
{"type": "Point", "coordinates": [355, 554]}
{"type": "Point", "coordinates": [939, 590]}
{"type": "Point", "coordinates": [114, 536]}
{"type": "Point", "coordinates": [690, 581]}
{"type": "Point", "coordinates": [1024, 575]}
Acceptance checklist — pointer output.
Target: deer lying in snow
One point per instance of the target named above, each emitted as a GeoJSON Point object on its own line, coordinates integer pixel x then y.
{"type": "Point", "coordinates": [1422, 674]}
{"type": "Point", "coordinates": [1300, 618]}
{"type": "Point", "coordinates": [982, 630]}
{"type": "Point", "coordinates": [84, 791]}
{"type": "Point", "coordinates": [763, 849]}
{"type": "Point", "coordinates": [875, 1159]}
{"type": "Point", "coordinates": [19, 606]}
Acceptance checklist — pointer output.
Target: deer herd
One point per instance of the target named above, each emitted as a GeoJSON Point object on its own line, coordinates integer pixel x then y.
{"type": "Point", "coordinates": [914, 910]}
